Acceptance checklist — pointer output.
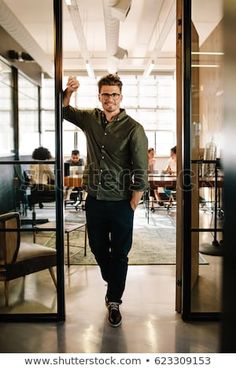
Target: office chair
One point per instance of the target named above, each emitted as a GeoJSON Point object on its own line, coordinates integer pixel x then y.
{"type": "Point", "coordinates": [76, 198]}
{"type": "Point", "coordinates": [18, 259]}
{"type": "Point", "coordinates": [21, 183]}
{"type": "Point", "coordinates": [74, 195]}
{"type": "Point", "coordinates": [39, 194]}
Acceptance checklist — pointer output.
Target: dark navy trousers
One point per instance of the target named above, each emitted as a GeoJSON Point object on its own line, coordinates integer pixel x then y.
{"type": "Point", "coordinates": [110, 231]}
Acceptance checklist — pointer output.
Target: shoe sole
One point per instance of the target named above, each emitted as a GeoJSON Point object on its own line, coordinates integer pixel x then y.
{"type": "Point", "coordinates": [114, 325]}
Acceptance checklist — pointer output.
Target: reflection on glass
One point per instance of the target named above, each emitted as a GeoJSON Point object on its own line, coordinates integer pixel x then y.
{"type": "Point", "coordinates": [6, 124]}
{"type": "Point", "coordinates": [207, 119]}
{"type": "Point", "coordinates": [26, 269]}
{"type": "Point", "coordinates": [26, 284]}
{"type": "Point", "coordinates": [28, 115]}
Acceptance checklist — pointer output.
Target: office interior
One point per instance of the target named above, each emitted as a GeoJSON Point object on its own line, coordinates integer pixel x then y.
{"type": "Point", "coordinates": [171, 57]}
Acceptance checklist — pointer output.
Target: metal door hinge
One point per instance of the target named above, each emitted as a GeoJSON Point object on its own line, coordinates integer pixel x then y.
{"type": "Point", "coordinates": [179, 282]}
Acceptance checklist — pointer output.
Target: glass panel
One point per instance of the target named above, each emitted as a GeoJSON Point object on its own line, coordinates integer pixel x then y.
{"type": "Point", "coordinates": [35, 204]}
{"type": "Point", "coordinates": [28, 115]}
{"type": "Point", "coordinates": [30, 288]}
{"type": "Point", "coordinates": [48, 114]}
{"type": "Point", "coordinates": [6, 124]}
{"type": "Point", "coordinates": [206, 146]}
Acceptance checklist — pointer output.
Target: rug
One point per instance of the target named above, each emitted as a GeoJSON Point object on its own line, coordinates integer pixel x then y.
{"type": "Point", "coordinates": [153, 243]}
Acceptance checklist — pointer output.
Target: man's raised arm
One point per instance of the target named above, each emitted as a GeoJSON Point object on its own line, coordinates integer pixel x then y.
{"type": "Point", "coordinates": [72, 86]}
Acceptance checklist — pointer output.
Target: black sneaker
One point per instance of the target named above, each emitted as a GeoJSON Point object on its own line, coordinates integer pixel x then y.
{"type": "Point", "coordinates": [114, 315]}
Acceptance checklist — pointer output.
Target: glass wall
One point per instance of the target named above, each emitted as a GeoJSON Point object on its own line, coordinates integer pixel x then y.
{"type": "Point", "coordinates": [207, 208]}
{"type": "Point", "coordinates": [28, 289]}
{"type": "Point", "coordinates": [6, 123]}
{"type": "Point", "coordinates": [28, 103]}
{"type": "Point", "coordinates": [48, 114]}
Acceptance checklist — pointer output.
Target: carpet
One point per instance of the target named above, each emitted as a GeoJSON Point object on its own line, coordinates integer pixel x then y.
{"type": "Point", "coordinates": [153, 243]}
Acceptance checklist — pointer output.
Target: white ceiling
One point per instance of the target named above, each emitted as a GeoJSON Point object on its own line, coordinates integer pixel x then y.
{"type": "Point", "coordinates": [148, 33]}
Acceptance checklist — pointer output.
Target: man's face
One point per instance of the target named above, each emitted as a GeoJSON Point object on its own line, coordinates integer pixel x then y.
{"type": "Point", "coordinates": [75, 158]}
{"type": "Point", "coordinates": [110, 98]}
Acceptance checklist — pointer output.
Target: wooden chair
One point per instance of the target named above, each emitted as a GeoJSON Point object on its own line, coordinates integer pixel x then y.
{"type": "Point", "coordinates": [17, 259]}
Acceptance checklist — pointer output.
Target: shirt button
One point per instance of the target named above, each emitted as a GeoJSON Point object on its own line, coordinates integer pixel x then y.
{"type": "Point", "coordinates": [102, 157]}
{"type": "Point", "coordinates": [102, 146]}
{"type": "Point", "coordinates": [105, 133]}
{"type": "Point", "coordinates": [99, 183]}
{"type": "Point", "coordinates": [100, 170]}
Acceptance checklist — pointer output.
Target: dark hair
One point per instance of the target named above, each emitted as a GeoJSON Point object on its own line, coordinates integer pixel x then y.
{"type": "Point", "coordinates": [151, 149]}
{"type": "Point", "coordinates": [173, 149]}
{"type": "Point", "coordinates": [75, 152]}
{"type": "Point", "coordinates": [110, 80]}
{"type": "Point", "coordinates": [41, 153]}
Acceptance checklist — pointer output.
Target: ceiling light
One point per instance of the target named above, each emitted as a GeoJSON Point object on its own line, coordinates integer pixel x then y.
{"type": "Point", "coordinates": [121, 9]}
{"type": "Point", "coordinates": [89, 70]}
{"type": "Point", "coordinates": [68, 2]}
{"type": "Point", "coordinates": [207, 53]}
{"type": "Point", "coordinates": [205, 65]}
{"type": "Point", "coordinates": [121, 53]}
{"type": "Point", "coordinates": [149, 69]}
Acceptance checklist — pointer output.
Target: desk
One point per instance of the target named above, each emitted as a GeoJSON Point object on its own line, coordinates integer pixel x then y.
{"type": "Point", "coordinates": [74, 181]}
{"type": "Point", "coordinates": [210, 181]}
{"type": "Point", "coordinates": [161, 180]}
{"type": "Point", "coordinates": [156, 180]}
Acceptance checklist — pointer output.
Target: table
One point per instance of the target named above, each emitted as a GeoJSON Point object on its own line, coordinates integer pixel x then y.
{"type": "Point", "coordinates": [164, 180]}
{"type": "Point", "coordinates": [158, 180]}
{"type": "Point", "coordinates": [68, 228]}
{"type": "Point", "coordinates": [73, 181]}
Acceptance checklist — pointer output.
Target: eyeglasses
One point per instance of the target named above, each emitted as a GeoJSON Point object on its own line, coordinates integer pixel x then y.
{"type": "Point", "coordinates": [106, 96]}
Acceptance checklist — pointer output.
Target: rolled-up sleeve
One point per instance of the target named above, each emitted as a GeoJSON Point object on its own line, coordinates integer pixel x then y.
{"type": "Point", "coordinates": [139, 148]}
{"type": "Point", "coordinates": [76, 116]}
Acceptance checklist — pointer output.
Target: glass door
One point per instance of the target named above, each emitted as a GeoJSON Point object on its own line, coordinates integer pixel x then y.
{"type": "Point", "coordinates": [31, 176]}
{"type": "Point", "coordinates": [203, 173]}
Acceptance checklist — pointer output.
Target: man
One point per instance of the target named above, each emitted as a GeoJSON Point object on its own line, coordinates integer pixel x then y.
{"type": "Point", "coordinates": [115, 178]}
{"type": "Point", "coordinates": [74, 166]}
{"type": "Point", "coordinates": [75, 159]}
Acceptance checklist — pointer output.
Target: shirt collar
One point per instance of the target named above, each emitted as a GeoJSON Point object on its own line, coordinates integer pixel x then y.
{"type": "Point", "coordinates": [117, 117]}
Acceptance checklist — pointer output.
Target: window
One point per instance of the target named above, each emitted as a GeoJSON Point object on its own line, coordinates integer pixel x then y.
{"type": "Point", "coordinates": [28, 115]}
{"type": "Point", "coordinates": [150, 101]}
{"type": "Point", "coordinates": [6, 124]}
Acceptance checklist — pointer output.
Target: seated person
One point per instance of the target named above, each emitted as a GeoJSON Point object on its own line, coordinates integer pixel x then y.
{"type": "Point", "coordinates": [41, 174]}
{"type": "Point", "coordinates": [151, 170]}
{"type": "Point", "coordinates": [171, 165]}
{"type": "Point", "coordinates": [151, 160]}
{"type": "Point", "coordinates": [76, 162]}
{"type": "Point", "coordinates": [76, 167]}
{"type": "Point", "coordinates": [171, 170]}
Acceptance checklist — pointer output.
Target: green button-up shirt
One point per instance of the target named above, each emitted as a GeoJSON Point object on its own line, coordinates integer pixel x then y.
{"type": "Point", "coordinates": [116, 153]}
